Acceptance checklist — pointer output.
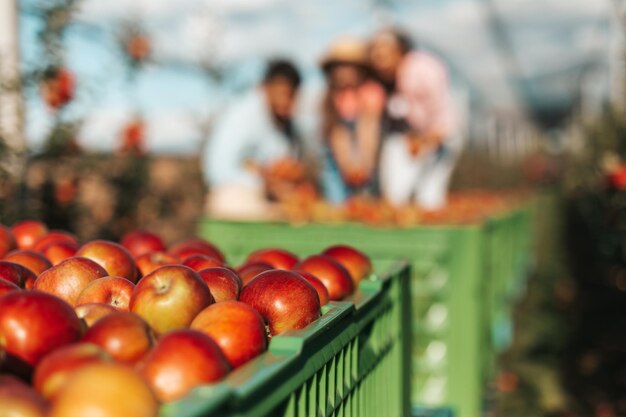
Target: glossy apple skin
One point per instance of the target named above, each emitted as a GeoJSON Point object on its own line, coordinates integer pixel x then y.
{"type": "Point", "coordinates": [284, 299]}
{"type": "Point", "coordinates": [54, 370]}
{"type": "Point", "coordinates": [55, 236]}
{"type": "Point", "coordinates": [105, 390]}
{"type": "Point", "coordinates": [139, 242]}
{"type": "Point", "coordinates": [69, 278]}
{"type": "Point", "coordinates": [319, 286]}
{"type": "Point", "coordinates": [333, 275]}
{"type": "Point", "coordinates": [182, 360]}
{"type": "Point", "coordinates": [278, 258]}
{"type": "Point", "coordinates": [148, 262]}
{"type": "Point", "coordinates": [27, 232]}
{"type": "Point", "coordinates": [34, 261]}
{"type": "Point", "coordinates": [199, 262]}
{"type": "Point", "coordinates": [251, 269]}
{"type": "Point", "coordinates": [123, 335]}
{"type": "Point", "coordinates": [114, 258]}
{"type": "Point", "coordinates": [17, 274]}
{"type": "Point", "coordinates": [191, 247]}
{"type": "Point", "coordinates": [33, 323]}
{"type": "Point", "coordinates": [237, 328]}
{"type": "Point", "coordinates": [356, 262]}
{"type": "Point", "coordinates": [108, 290]}
{"type": "Point", "coordinates": [19, 400]}
{"type": "Point", "coordinates": [92, 312]}
{"type": "Point", "coordinates": [170, 297]}
{"type": "Point", "coordinates": [6, 286]}
{"type": "Point", "coordinates": [7, 241]}
{"type": "Point", "coordinates": [223, 283]}
{"type": "Point", "coordinates": [57, 252]}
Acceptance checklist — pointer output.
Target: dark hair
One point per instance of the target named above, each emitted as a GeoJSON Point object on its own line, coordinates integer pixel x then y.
{"type": "Point", "coordinates": [401, 36]}
{"type": "Point", "coordinates": [284, 69]}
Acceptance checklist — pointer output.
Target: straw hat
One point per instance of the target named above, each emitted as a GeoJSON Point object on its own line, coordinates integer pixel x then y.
{"type": "Point", "coordinates": [345, 50]}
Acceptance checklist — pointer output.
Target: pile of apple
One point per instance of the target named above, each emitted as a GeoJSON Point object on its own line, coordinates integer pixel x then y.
{"type": "Point", "coordinates": [114, 330]}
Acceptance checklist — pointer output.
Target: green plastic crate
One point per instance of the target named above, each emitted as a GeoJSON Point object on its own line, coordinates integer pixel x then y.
{"type": "Point", "coordinates": [348, 363]}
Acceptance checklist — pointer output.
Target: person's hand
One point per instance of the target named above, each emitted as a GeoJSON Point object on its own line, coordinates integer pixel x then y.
{"type": "Point", "coordinates": [356, 176]}
{"type": "Point", "coordinates": [285, 169]}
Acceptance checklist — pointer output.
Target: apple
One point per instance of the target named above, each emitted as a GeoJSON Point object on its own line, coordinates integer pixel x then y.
{"type": "Point", "coordinates": [56, 252]}
{"type": "Point", "coordinates": [182, 360]}
{"type": "Point", "coordinates": [356, 262]}
{"type": "Point", "coordinates": [223, 283]}
{"type": "Point", "coordinates": [114, 258]}
{"type": "Point", "coordinates": [34, 261]}
{"type": "Point", "coordinates": [190, 247]}
{"type": "Point", "coordinates": [249, 270]}
{"type": "Point", "coordinates": [170, 297]}
{"type": "Point", "coordinates": [319, 286]}
{"type": "Point", "coordinates": [54, 370]}
{"type": "Point", "coordinates": [278, 258]}
{"type": "Point", "coordinates": [17, 274]}
{"type": "Point", "coordinates": [55, 236]}
{"type": "Point", "coordinates": [123, 335]}
{"type": "Point", "coordinates": [6, 286]}
{"type": "Point", "coordinates": [33, 323]}
{"type": "Point", "coordinates": [236, 328]}
{"type": "Point", "coordinates": [284, 299]}
{"type": "Point", "coordinates": [148, 262]}
{"type": "Point", "coordinates": [198, 262]}
{"type": "Point", "coordinates": [27, 232]}
{"type": "Point", "coordinates": [69, 278]}
{"type": "Point", "coordinates": [105, 390]}
{"type": "Point", "coordinates": [139, 242]}
{"type": "Point", "coordinates": [333, 275]}
{"type": "Point", "coordinates": [92, 312]}
{"type": "Point", "coordinates": [7, 241]}
{"type": "Point", "coordinates": [108, 290]}
{"type": "Point", "coordinates": [19, 400]}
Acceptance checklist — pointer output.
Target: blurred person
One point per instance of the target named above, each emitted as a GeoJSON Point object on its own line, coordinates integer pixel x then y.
{"type": "Point", "coordinates": [421, 141]}
{"type": "Point", "coordinates": [254, 150]}
{"type": "Point", "coordinates": [352, 115]}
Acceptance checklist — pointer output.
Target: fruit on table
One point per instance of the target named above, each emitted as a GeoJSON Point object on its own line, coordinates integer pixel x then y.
{"type": "Point", "coordinates": [114, 258]}
{"type": "Point", "coordinates": [123, 335]}
{"type": "Point", "coordinates": [277, 258]}
{"type": "Point", "coordinates": [108, 290]}
{"type": "Point", "coordinates": [170, 297]}
{"type": "Point", "coordinates": [148, 262]}
{"type": "Point", "coordinates": [55, 369]}
{"type": "Point", "coordinates": [223, 283]}
{"type": "Point", "coordinates": [333, 275]}
{"type": "Point", "coordinates": [33, 323]}
{"type": "Point", "coordinates": [140, 242]}
{"type": "Point", "coordinates": [182, 360]}
{"type": "Point", "coordinates": [57, 252]}
{"type": "Point", "coordinates": [251, 269]}
{"type": "Point", "coordinates": [356, 262]}
{"type": "Point", "coordinates": [19, 400]}
{"type": "Point", "coordinates": [6, 286]}
{"type": "Point", "coordinates": [69, 278]}
{"type": "Point", "coordinates": [105, 390]}
{"type": "Point", "coordinates": [236, 327]}
{"type": "Point", "coordinates": [190, 247]}
{"type": "Point", "coordinates": [17, 274]}
{"type": "Point", "coordinates": [319, 286]}
{"type": "Point", "coordinates": [198, 262]}
{"type": "Point", "coordinates": [34, 261]}
{"type": "Point", "coordinates": [7, 241]}
{"type": "Point", "coordinates": [27, 232]}
{"type": "Point", "coordinates": [92, 312]}
{"type": "Point", "coordinates": [284, 299]}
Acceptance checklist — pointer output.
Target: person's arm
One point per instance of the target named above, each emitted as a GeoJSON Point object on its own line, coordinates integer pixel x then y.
{"type": "Point", "coordinates": [346, 155]}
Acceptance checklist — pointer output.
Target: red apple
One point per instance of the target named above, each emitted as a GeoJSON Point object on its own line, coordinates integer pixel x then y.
{"type": "Point", "coordinates": [34, 261]}
{"type": "Point", "coordinates": [58, 252]}
{"type": "Point", "coordinates": [17, 274]}
{"type": "Point", "coordinates": [198, 262]}
{"type": "Point", "coordinates": [236, 328]}
{"type": "Point", "coordinates": [27, 232]}
{"type": "Point", "coordinates": [69, 278]}
{"type": "Point", "coordinates": [249, 270]}
{"type": "Point", "coordinates": [114, 258]}
{"type": "Point", "coordinates": [19, 400]}
{"type": "Point", "coordinates": [139, 242]}
{"type": "Point", "coordinates": [105, 390]}
{"type": "Point", "coordinates": [190, 247]}
{"type": "Point", "coordinates": [6, 286]}
{"type": "Point", "coordinates": [7, 241]}
{"type": "Point", "coordinates": [54, 370]}
{"type": "Point", "coordinates": [108, 290]}
{"type": "Point", "coordinates": [333, 275]}
{"type": "Point", "coordinates": [356, 262]}
{"type": "Point", "coordinates": [283, 298]}
{"type": "Point", "coordinates": [319, 286]}
{"type": "Point", "coordinates": [33, 323]}
{"type": "Point", "coordinates": [278, 258]}
{"type": "Point", "coordinates": [92, 312]}
{"type": "Point", "coordinates": [170, 297]}
{"type": "Point", "coordinates": [223, 283]}
{"type": "Point", "coordinates": [182, 360]}
{"type": "Point", "coordinates": [55, 236]}
{"type": "Point", "coordinates": [123, 335]}
{"type": "Point", "coordinates": [148, 262]}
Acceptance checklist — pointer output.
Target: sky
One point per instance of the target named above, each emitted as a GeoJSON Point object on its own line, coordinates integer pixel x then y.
{"type": "Point", "coordinates": [544, 44]}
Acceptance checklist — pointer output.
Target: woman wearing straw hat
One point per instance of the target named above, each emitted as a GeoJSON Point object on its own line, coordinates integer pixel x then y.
{"type": "Point", "coordinates": [352, 113]}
